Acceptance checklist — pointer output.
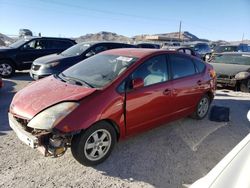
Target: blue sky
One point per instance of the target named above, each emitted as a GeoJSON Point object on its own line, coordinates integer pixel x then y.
{"type": "Point", "coordinates": [210, 19]}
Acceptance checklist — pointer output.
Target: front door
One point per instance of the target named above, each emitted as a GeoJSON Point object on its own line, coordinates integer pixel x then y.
{"type": "Point", "coordinates": [150, 105]}
{"type": "Point", "coordinates": [31, 51]}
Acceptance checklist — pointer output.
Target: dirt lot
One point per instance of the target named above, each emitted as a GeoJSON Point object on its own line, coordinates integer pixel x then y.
{"type": "Point", "coordinates": [180, 152]}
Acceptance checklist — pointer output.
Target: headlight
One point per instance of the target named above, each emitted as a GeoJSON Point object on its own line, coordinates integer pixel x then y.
{"type": "Point", "coordinates": [242, 75]}
{"type": "Point", "coordinates": [50, 117]}
{"type": "Point", "coordinates": [52, 64]}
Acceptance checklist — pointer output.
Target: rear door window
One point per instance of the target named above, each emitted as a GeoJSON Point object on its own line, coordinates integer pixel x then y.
{"type": "Point", "coordinates": [59, 44]}
{"type": "Point", "coordinates": [182, 66]}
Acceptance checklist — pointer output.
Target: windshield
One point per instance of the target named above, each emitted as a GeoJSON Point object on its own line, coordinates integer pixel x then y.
{"type": "Point", "coordinates": [18, 43]}
{"type": "Point", "coordinates": [241, 59]}
{"type": "Point", "coordinates": [76, 50]}
{"type": "Point", "coordinates": [99, 70]}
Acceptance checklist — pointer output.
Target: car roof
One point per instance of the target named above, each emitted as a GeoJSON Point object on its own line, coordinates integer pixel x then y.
{"type": "Point", "coordinates": [136, 52]}
{"type": "Point", "coordinates": [57, 38]}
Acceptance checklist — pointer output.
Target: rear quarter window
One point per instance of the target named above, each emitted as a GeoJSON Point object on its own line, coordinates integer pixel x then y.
{"type": "Point", "coordinates": [199, 65]}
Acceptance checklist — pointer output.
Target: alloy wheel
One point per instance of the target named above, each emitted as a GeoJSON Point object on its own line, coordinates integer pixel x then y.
{"type": "Point", "coordinates": [97, 145]}
{"type": "Point", "coordinates": [5, 69]}
{"type": "Point", "coordinates": [203, 107]}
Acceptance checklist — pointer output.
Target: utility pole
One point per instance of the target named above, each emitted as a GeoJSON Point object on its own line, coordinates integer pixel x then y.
{"type": "Point", "coordinates": [180, 32]}
{"type": "Point", "coordinates": [242, 37]}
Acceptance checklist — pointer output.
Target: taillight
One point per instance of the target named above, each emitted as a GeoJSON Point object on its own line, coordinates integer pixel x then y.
{"type": "Point", "coordinates": [212, 73]}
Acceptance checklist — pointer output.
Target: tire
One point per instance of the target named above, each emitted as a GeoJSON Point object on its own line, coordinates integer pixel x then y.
{"type": "Point", "coordinates": [202, 108]}
{"type": "Point", "coordinates": [7, 69]}
{"type": "Point", "coordinates": [88, 147]}
{"type": "Point", "coordinates": [245, 85]}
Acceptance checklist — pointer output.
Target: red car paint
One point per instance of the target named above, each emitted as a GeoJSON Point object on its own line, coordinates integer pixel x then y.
{"type": "Point", "coordinates": [146, 107]}
{"type": "Point", "coordinates": [42, 94]}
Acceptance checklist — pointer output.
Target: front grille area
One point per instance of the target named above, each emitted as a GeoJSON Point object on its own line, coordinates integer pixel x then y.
{"type": "Point", "coordinates": [222, 76]}
{"type": "Point", "coordinates": [23, 123]}
{"type": "Point", "coordinates": [35, 67]}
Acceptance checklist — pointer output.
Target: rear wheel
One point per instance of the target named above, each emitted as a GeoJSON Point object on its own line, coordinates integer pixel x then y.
{"type": "Point", "coordinates": [202, 108]}
{"type": "Point", "coordinates": [245, 85]}
{"type": "Point", "coordinates": [7, 69]}
{"type": "Point", "coordinates": [94, 145]}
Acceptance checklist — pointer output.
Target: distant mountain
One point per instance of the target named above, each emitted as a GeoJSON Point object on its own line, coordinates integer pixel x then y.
{"type": "Point", "coordinates": [186, 36]}
{"type": "Point", "coordinates": [102, 36]}
{"type": "Point", "coordinates": [5, 40]}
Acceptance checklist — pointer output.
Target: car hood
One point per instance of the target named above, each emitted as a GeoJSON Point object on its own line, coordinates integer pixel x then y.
{"type": "Point", "coordinates": [49, 59]}
{"type": "Point", "coordinates": [44, 93]}
{"type": "Point", "coordinates": [229, 69]}
{"type": "Point", "coordinates": [3, 49]}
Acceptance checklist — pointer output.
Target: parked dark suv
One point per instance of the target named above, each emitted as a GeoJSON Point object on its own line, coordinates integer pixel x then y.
{"type": "Point", "coordinates": [21, 54]}
{"type": "Point", "coordinates": [56, 63]}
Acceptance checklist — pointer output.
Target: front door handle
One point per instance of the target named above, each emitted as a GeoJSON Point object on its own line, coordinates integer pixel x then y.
{"type": "Point", "coordinates": [199, 82]}
{"type": "Point", "coordinates": [167, 92]}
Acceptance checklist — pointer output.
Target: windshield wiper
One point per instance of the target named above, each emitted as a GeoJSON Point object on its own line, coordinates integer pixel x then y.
{"type": "Point", "coordinates": [76, 80]}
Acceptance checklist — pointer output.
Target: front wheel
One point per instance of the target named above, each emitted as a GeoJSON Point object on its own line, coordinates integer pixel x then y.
{"type": "Point", "coordinates": [245, 85]}
{"type": "Point", "coordinates": [94, 145]}
{"type": "Point", "coordinates": [7, 69]}
{"type": "Point", "coordinates": [202, 108]}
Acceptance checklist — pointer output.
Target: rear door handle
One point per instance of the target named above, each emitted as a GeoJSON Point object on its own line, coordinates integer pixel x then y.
{"type": "Point", "coordinates": [167, 92]}
{"type": "Point", "coordinates": [199, 82]}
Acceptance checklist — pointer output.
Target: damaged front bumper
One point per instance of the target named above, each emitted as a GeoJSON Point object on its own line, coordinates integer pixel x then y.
{"type": "Point", "coordinates": [46, 142]}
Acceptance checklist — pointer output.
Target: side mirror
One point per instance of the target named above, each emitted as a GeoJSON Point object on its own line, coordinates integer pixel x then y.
{"type": "Point", "coordinates": [90, 53]}
{"type": "Point", "coordinates": [137, 83]}
{"type": "Point", "coordinates": [196, 49]}
{"type": "Point", "coordinates": [25, 47]}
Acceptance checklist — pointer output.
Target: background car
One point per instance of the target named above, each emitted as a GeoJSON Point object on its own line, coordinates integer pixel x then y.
{"type": "Point", "coordinates": [21, 54]}
{"type": "Point", "coordinates": [108, 97]}
{"type": "Point", "coordinates": [203, 49]}
{"type": "Point", "coordinates": [148, 45]}
{"type": "Point", "coordinates": [231, 48]}
{"type": "Point", "coordinates": [185, 50]}
{"type": "Point", "coordinates": [232, 69]}
{"type": "Point", "coordinates": [56, 63]}
{"type": "Point", "coordinates": [232, 171]}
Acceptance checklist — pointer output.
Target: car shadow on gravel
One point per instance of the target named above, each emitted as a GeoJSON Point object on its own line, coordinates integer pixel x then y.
{"type": "Point", "coordinates": [22, 76]}
{"type": "Point", "coordinates": [164, 157]}
{"type": "Point", "coordinates": [6, 95]}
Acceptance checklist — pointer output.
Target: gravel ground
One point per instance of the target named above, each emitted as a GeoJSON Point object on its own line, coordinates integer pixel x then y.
{"type": "Point", "coordinates": [179, 152]}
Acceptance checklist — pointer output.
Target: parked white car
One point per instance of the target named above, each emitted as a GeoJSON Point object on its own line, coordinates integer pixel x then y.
{"type": "Point", "coordinates": [233, 171]}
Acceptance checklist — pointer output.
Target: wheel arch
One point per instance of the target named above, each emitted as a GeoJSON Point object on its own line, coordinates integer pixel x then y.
{"type": "Point", "coordinates": [114, 125]}
{"type": "Point", "coordinates": [109, 121]}
{"type": "Point", "coordinates": [10, 60]}
{"type": "Point", "coordinates": [210, 95]}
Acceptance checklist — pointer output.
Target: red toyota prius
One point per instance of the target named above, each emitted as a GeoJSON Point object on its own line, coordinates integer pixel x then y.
{"type": "Point", "coordinates": [109, 97]}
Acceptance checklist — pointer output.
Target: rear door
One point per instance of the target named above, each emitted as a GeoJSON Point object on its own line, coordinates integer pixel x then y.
{"type": "Point", "coordinates": [151, 104]}
{"type": "Point", "coordinates": [187, 83]}
{"type": "Point", "coordinates": [57, 46]}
